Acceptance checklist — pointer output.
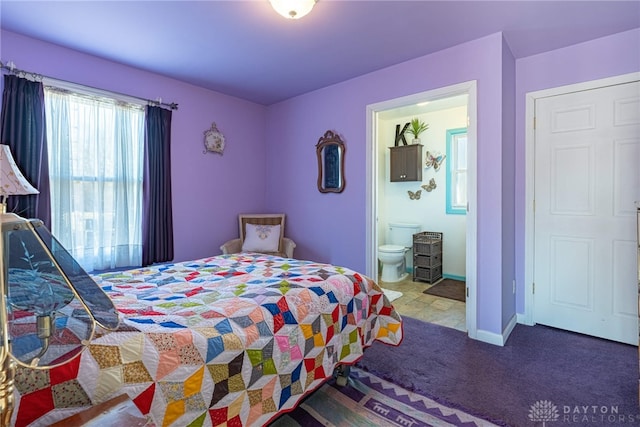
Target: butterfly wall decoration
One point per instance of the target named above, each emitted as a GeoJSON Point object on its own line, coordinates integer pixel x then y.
{"type": "Point", "coordinates": [414, 196]}
{"type": "Point", "coordinates": [434, 160]}
{"type": "Point", "coordinates": [431, 186]}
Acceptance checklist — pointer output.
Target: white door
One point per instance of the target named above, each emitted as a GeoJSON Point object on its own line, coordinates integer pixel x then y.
{"type": "Point", "coordinates": [587, 177]}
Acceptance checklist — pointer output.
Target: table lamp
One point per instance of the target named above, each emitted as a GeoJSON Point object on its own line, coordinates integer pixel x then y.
{"type": "Point", "coordinates": [12, 182]}
{"type": "Point", "coordinates": [50, 308]}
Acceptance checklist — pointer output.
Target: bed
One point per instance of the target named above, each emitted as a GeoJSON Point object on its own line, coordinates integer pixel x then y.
{"type": "Point", "coordinates": [225, 340]}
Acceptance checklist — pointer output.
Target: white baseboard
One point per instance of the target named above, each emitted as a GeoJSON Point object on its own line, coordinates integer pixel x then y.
{"type": "Point", "coordinates": [509, 328]}
{"type": "Point", "coordinates": [497, 339]}
{"type": "Point", "coordinates": [523, 319]}
{"type": "Point", "coordinates": [489, 337]}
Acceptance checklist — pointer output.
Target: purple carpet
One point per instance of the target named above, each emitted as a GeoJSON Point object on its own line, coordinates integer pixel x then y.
{"type": "Point", "coordinates": [541, 375]}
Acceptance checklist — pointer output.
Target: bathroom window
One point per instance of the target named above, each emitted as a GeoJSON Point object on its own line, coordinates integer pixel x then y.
{"type": "Point", "coordinates": [457, 171]}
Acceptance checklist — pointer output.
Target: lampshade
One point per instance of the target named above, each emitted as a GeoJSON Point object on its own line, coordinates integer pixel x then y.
{"type": "Point", "coordinates": [50, 308]}
{"type": "Point", "coordinates": [12, 182]}
{"type": "Point", "coordinates": [52, 305]}
{"type": "Point", "coordinates": [293, 9]}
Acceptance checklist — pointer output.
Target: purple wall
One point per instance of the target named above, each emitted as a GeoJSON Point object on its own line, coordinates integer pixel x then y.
{"type": "Point", "coordinates": [331, 227]}
{"type": "Point", "coordinates": [209, 190]}
{"type": "Point", "coordinates": [508, 184]}
{"type": "Point", "coordinates": [605, 57]}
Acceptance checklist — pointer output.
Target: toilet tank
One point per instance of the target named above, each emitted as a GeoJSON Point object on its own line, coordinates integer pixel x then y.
{"type": "Point", "coordinates": [402, 233]}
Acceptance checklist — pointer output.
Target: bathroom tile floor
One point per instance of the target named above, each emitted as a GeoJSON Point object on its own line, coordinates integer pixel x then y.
{"type": "Point", "coordinates": [429, 308]}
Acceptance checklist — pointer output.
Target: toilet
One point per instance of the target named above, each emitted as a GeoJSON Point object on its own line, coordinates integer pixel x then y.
{"type": "Point", "coordinates": [392, 254]}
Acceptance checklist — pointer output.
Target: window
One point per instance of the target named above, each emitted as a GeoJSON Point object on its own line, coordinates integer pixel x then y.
{"type": "Point", "coordinates": [457, 171]}
{"type": "Point", "coordinates": [95, 147]}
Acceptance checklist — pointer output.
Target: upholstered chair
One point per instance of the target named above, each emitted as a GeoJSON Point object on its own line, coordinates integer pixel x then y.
{"type": "Point", "coordinates": [263, 233]}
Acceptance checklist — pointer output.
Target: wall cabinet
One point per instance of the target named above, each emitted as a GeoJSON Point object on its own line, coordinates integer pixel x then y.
{"type": "Point", "coordinates": [406, 163]}
{"type": "Point", "coordinates": [427, 256]}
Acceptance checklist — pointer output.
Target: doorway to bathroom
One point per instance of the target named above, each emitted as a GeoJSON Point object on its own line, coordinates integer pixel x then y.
{"type": "Point", "coordinates": [441, 199]}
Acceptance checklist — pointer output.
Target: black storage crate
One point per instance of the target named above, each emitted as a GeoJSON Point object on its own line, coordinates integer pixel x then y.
{"type": "Point", "coordinates": [427, 274]}
{"type": "Point", "coordinates": [427, 243]}
{"type": "Point", "coordinates": [427, 256]}
{"type": "Point", "coordinates": [427, 261]}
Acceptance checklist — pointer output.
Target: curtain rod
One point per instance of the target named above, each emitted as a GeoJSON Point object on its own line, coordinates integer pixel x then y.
{"type": "Point", "coordinates": [11, 68]}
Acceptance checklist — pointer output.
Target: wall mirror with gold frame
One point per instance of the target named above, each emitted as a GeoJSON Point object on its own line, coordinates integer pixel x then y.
{"type": "Point", "coordinates": [330, 152]}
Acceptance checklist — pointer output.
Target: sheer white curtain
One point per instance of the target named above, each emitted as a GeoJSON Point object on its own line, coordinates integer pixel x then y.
{"type": "Point", "coordinates": [96, 169]}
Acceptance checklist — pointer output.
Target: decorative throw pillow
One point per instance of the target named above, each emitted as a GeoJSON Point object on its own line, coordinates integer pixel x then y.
{"type": "Point", "coordinates": [261, 238]}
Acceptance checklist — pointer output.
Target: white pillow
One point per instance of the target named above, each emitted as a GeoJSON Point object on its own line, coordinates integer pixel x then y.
{"type": "Point", "coordinates": [261, 238]}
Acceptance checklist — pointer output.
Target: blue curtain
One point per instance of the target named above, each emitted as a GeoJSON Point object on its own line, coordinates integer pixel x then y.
{"type": "Point", "coordinates": [157, 219]}
{"type": "Point", "coordinates": [23, 129]}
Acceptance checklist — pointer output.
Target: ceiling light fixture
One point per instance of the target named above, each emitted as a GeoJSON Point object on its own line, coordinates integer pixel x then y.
{"type": "Point", "coordinates": [293, 9]}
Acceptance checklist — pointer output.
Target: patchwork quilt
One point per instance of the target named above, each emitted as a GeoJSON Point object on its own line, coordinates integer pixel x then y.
{"type": "Point", "coordinates": [222, 341]}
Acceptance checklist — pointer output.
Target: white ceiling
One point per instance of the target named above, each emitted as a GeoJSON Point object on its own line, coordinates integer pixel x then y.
{"type": "Point", "coordinates": [243, 48]}
{"type": "Point", "coordinates": [424, 107]}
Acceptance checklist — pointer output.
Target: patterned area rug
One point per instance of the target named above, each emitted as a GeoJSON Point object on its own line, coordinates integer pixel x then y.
{"type": "Point", "coordinates": [371, 401]}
